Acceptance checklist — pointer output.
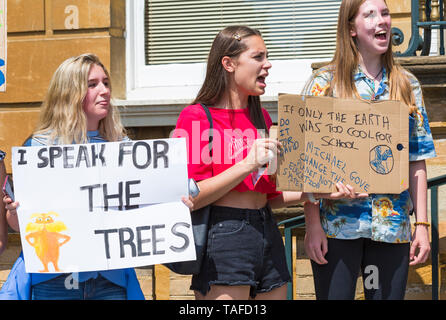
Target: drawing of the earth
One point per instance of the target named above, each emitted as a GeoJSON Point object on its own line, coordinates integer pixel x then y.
{"type": "Point", "coordinates": [381, 159]}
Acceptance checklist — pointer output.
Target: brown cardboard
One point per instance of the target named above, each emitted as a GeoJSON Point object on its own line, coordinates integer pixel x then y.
{"type": "Point", "coordinates": [326, 140]}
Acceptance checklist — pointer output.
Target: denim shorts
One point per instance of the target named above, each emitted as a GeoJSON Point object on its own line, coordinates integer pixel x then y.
{"type": "Point", "coordinates": [91, 289]}
{"type": "Point", "coordinates": [244, 247]}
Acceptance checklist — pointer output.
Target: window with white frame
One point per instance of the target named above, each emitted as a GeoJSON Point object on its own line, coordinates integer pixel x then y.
{"type": "Point", "coordinates": [168, 41]}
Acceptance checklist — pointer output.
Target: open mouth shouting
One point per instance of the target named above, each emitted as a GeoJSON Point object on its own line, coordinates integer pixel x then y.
{"type": "Point", "coordinates": [381, 35]}
{"type": "Point", "coordinates": [261, 81]}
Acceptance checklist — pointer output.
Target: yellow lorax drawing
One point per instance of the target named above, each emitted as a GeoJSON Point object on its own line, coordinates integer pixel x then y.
{"type": "Point", "coordinates": [44, 235]}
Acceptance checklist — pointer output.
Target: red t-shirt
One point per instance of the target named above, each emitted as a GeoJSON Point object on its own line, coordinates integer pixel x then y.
{"type": "Point", "coordinates": [233, 134]}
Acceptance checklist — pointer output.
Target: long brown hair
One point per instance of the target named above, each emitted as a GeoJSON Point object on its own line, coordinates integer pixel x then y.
{"type": "Point", "coordinates": [346, 60]}
{"type": "Point", "coordinates": [228, 42]}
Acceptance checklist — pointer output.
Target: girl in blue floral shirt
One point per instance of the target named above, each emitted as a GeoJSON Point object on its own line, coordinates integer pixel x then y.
{"type": "Point", "coordinates": [371, 234]}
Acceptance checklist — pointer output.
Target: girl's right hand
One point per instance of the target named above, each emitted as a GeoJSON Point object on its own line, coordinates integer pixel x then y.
{"type": "Point", "coordinates": [315, 241]}
{"type": "Point", "coordinates": [188, 202]}
{"type": "Point", "coordinates": [262, 151]}
{"type": "Point", "coordinates": [11, 213]}
{"type": "Point", "coordinates": [10, 205]}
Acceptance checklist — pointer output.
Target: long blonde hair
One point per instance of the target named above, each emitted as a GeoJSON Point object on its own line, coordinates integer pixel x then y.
{"type": "Point", "coordinates": [62, 115]}
{"type": "Point", "coordinates": [346, 60]}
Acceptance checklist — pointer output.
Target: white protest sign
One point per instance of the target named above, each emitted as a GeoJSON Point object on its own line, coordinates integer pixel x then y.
{"type": "Point", "coordinates": [103, 206]}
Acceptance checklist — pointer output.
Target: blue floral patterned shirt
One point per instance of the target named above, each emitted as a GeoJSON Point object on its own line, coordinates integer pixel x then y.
{"type": "Point", "coordinates": [2, 155]}
{"type": "Point", "coordinates": [380, 217]}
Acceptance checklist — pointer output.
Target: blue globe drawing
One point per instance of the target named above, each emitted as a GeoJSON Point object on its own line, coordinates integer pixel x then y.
{"type": "Point", "coordinates": [381, 159]}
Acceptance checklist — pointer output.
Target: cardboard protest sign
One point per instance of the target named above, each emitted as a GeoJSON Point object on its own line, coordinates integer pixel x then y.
{"type": "Point", "coordinates": [103, 206]}
{"type": "Point", "coordinates": [3, 45]}
{"type": "Point", "coordinates": [327, 140]}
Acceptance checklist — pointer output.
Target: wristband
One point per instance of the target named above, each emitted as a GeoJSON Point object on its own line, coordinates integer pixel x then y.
{"type": "Point", "coordinates": [427, 224]}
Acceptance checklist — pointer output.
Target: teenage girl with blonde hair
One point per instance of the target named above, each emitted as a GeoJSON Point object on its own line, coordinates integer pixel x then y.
{"type": "Point", "coordinates": [344, 237]}
{"type": "Point", "coordinates": [76, 109]}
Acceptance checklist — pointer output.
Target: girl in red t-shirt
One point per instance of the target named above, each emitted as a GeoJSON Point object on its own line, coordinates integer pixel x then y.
{"type": "Point", "coordinates": [245, 253]}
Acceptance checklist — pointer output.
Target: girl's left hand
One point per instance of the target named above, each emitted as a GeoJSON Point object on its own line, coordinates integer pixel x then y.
{"type": "Point", "coordinates": [188, 202]}
{"type": "Point", "coordinates": [420, 242]}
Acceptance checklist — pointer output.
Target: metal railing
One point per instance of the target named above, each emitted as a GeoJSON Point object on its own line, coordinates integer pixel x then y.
{"type": "Point", "coordinates": [432, 184]}
{"type": "Point", "coordinates": [289, 225]}
{"type": "Point", "coordinates": [426, 15]}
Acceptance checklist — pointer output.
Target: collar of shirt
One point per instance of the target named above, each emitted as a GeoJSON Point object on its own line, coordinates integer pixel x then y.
{"type": "Point", "coordinates": [94, 136]}
{"type": "Point", "coordinates": [360, 75]}
{"type": "Point", "coordinates": [93, 133]}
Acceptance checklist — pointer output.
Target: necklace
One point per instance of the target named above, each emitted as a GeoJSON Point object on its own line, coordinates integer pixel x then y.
{"type": "Point", "coordinates": [223, 107]}
{"type": "Point", "coordinates": [228, 108]}
{"type": "Point", "coordinates": [373, 78]}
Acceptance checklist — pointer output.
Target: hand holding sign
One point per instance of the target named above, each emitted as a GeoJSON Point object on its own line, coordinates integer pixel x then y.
{"type": "Point", "coordinates": [343, 191]}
